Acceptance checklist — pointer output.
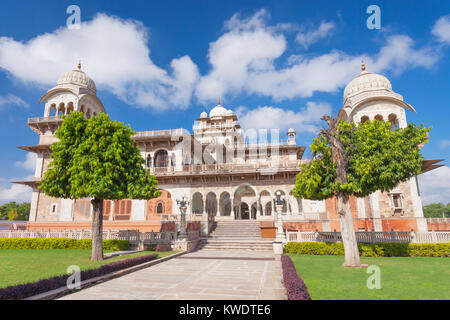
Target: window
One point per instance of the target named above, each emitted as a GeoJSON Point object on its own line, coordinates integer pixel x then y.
{"type": "Point", "coordinates": [106, 209]}
{"type": "Point", "coordinates": [161, 159]}
{"type": "Point", "coordinates": [396, 203]}
{"type": "Point", "coordinates": [82, 207]}
{"type": "Point", "coordinates": [160, 208]}
{"type": "Point", "coordinates": [53, 208]}
{"type": "Point", "coordinates": [122, 209]}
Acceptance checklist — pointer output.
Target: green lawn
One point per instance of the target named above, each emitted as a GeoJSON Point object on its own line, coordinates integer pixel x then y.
{"type": "Point", "coordinates": [22, 266]}
{"type": "Point", "coordinates": [402, 278]}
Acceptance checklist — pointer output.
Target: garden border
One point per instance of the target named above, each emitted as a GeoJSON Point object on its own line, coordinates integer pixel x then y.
{"type": "Point", "coordinates": [295, 286]}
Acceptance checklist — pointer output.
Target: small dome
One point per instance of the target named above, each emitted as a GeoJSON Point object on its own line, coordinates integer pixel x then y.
{"type": "Point", "coordinates": [366, 81]}
{"type": "Point", "coordinates": [203, 115]}
{"type": "Point", "coordinates": [78, 78]}
{"type": "Point", "coordinates": [291, 130]}
{"type": "Point", "coordinates": [218, 111]}
{"type": "Point", "coordinates": [229, 112]}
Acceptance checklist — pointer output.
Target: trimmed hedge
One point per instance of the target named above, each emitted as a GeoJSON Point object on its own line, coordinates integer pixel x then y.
{"type": "Point", "coordinates": [295, 286]}
{"type": "Point", "coordinates": [30, 289]}
{"type": "Point", "coordinates": [44, 243]}
{"type": "Point", "coordinates": [382, 249]}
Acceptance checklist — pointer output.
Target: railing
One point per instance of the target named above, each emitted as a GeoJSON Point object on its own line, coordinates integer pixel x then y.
{"type": "Point", "coordinates": [155, 133]}
{"type": "Point", "coordinates": [44, 119]}
{"type": "Point", "coordinates": [132, 236]}
{"type": "Point", "coordinates": [229, 167]}
{"type": "Point", "coordinates": [372, 237]}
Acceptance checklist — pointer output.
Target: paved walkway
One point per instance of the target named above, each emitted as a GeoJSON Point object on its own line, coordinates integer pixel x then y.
{"type": "Point", "coordinates": [201, 275]}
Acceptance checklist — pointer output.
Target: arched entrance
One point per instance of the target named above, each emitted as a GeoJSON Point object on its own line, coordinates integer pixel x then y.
{"type": "Point", "coordinates": [245, 213]}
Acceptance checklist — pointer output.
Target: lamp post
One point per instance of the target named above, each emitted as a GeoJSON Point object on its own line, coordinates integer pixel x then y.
{"type": "Point", "coordinates": [280, 237]}
{"type": "Point", "coordinates": [183, 204]}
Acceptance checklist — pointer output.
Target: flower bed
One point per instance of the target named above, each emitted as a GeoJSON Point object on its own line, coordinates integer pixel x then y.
{"type": "Point", "coordinates": [30, 289]}
{"type": "Point", "coordinates": [295, 286]}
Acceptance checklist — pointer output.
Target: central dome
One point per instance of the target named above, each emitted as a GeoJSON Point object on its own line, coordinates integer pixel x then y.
{"type": "Point", "coordinates": [218, 111]}
{"type": "Point", "coordinates": [366, 81]}
{"type": "Point", "coordinates": [78, 78]}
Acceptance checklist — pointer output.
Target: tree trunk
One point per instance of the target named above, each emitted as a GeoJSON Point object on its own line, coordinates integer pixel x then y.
{"type": "Point", "coordinates": [348, 232]}
{"type": "Point", "coordinates": [97, 230]}
{"type": "Point", "coordinates": [345, 214]}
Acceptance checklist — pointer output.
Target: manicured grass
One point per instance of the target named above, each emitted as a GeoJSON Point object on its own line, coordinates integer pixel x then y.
{"type": "Point", "coordinates": [402, 278]}
{"type": "Point", "coordinates": [23, 266]}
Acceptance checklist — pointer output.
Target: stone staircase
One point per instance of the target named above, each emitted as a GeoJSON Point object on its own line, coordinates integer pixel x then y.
{"type": "Point", "coordinates": [236, 235]}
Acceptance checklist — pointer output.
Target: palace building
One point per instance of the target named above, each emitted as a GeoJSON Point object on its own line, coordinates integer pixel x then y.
{"type": "Point", "coordinates": [226, 173]}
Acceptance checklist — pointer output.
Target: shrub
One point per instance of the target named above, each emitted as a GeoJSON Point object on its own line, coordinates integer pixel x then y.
{"type": "Point", "coordinates": [44, 243]}
{"type": "Point", "coordinates": [295, 286]}
{"type": "Point", "coordinates": [30, 289]}
{"type": "Point", "coordinates": [382, 249]}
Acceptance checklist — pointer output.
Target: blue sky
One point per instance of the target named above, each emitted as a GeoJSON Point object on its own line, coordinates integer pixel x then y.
{"type": "Point", "coordinates": [159, 64]}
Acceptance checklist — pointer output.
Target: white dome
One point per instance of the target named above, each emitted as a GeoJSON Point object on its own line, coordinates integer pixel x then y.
{"type": "Point", "coordinates": [229, 112]}
{"type": "Point", "coordinates": [291, 130]}
{"type": "Point", "coordinates": [218, 111]}
{"type": "Point", "coordinates": [78, 78]}
{"type": "Point", "coordinates": [203, 115]}
{"type": "Point", "coordinates": [366, 81]}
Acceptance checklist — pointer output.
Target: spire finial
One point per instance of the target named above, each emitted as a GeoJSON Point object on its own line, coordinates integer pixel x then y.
{"type": "Point", "coordinates": [79, 65]}
{"type": "Point", "coordinates": [363, 66]}
{"type": "Point", "coordinates": [219, 101]}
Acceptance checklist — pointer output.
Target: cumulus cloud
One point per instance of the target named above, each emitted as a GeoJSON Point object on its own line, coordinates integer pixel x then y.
{"type": "Point", "coordinates": [441, 29]}
{"type": "Point", "coordinates": [14, 192]}
{"type": "Point", "coordinates": [307, 38]}
{"type": "Point", "coordinates": [248, 58]}
{"type": "Point", "coordinates": [435, 185]}
{"type": "Point", "coordinates": [29, 163]}
{"type": "Point", "coordinates": [244, 60]}
{"type": "Point", "coordinates": [12, 100]}
{"type": "Point", "coordinates": [306, 119]}
{"type": "Point", "coordinates": [444, 144]}
{"type": "Point", "coordinates": [114, 53]}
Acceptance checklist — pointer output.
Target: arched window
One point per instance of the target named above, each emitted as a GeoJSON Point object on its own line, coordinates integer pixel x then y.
{"type": "Point", "coordinates": [394, 121]}
{"type": "Point", "coordinates": [268, 210]}
{"type": "Point", "coordinates": [88, 113]}
{"type": "Point", "coordinates": [379, 117]}
{"type": "Point", "coordinates": [160, 208]}
{"type": "Point", "coordinates": [161, 159]}
{"type": "Point", "coordinates": [61, 109]}
{"type": "Point", "coordinates": [69, 108]}
{"type": "Point", "coordinates": [364, 119]}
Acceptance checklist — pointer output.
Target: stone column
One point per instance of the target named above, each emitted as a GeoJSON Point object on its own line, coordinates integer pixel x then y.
{"type": "Point", "coordinates": [258, 206]}
{"type": "Point", "coordinates": [375, 206]}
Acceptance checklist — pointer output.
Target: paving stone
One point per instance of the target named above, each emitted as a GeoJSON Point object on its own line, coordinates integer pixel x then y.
{"type": "Point", "coordinates": [201, 275]}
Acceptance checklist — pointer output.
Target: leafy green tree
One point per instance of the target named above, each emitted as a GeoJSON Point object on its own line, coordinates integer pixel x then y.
{"type": "Point", "coordinates": [23, 210]}
{"type": "Point", "coordinates": [97, 159]}
{"type": "Point", "coordinates": [13, 215]}
{"type": "Point", "coordinates": [357, 160]}
{"type": "Point", "coordinates": [436, 210]}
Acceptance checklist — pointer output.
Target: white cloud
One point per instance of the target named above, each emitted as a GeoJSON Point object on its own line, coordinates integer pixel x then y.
{"type": "Point", "coordinates": [29, 163]}
{"type": "Point", "coordinates": [324, 30]}
{"type": "Point", "coordinates": [305, 120]}
{"type": "Point", "coordinates": [441, 29]}
{"type": "Point", "coordinates": [444, 144]}
{"type": "Point", "coordinates": [435, 185]}
{"type": "Point", "coordinates": [12, 100]}
{"type": "Point", "coordinates": [14, 192]}
{"type": "Point", "coordinates": [114, 52]}
{"type": "Point", "coordinates": [243, 61]}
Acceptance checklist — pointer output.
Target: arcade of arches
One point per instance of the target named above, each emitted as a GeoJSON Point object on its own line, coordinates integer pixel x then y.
{"type": "Point", "coordinates": [242, 204]}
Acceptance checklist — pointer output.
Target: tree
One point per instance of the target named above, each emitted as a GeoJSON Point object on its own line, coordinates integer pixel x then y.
{"type": "Point", "coordinates": [436, 210]}
{"type": "Point", "coordinates": [97, 159]}
{"type": "Point", "coordinates": [350, 160]}
{"type": "Point", "coordinates": [13, 215]}
{"type": "Point", "coordinates": [23, 210]}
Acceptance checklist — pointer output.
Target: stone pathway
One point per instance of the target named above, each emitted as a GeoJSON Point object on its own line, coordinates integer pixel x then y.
{"type": "Point", "coordinates": [201, 275]}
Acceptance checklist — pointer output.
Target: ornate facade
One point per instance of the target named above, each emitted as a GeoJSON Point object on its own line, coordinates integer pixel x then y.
{"type": "Point", "coordinates": [224, 171]}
